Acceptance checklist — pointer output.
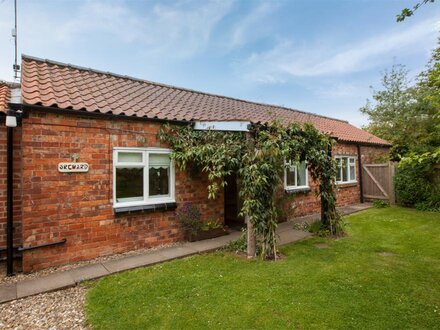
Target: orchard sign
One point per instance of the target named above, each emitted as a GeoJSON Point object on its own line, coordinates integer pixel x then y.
{"type": "Point", "coordinates": [73, 167]}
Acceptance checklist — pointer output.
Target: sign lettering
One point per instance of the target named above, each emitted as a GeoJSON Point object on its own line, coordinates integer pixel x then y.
{"type": "Point", "coordinates": [73, 167]}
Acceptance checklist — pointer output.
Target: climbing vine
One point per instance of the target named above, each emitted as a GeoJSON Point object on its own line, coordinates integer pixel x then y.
{"type": "Point", "coordinates": [258, 158]}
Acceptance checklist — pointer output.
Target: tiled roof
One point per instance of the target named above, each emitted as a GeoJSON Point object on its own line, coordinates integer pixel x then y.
{"type": "Point", "coordinates": [54, 84]}
{"type": "Point", "coordinates": [5, 95]}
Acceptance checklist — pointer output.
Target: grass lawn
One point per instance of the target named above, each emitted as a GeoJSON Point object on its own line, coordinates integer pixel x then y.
{"type": "Point", "coordinates": [350, 284]}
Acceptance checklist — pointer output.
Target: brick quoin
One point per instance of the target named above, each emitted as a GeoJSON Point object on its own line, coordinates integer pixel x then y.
{"type": "Point", "coordinates": [50, 206]}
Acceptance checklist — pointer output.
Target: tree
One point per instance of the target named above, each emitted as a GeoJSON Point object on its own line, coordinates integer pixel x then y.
{"type": "Point", "coordinates": [406, 113]}
{"type": "Point", "coordinates": [406, 12]}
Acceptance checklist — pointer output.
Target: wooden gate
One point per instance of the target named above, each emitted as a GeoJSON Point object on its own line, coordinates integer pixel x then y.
{"type": "Point", "coordinates": [377, 181]}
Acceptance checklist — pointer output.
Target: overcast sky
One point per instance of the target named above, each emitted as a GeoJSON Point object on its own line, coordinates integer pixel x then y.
{"type": "Point", "coordinates": [316, 56]}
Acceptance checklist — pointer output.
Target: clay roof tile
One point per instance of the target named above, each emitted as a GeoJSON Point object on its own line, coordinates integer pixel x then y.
{"type": "Point", "coordinates": [62, 85]}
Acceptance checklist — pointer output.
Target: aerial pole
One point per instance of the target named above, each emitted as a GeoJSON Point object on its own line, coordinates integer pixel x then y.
{"type": "Point", "coordinates": [16, 67]}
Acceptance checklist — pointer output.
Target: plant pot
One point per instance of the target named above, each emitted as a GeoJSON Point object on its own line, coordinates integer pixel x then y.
{"type": "Point", "coordinates": [217, 232]}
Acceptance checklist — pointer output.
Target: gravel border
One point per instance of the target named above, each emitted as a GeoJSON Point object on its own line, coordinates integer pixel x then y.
{"type": "Point", "coordinates": [22, 276]}
{"type": "Point", "coordinates": [57, 310]}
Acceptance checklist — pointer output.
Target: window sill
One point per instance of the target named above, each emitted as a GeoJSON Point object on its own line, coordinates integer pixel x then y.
{"type": "Point", "coordinates": [347, 184]}
{"type": "Point", "coordinates": [150, 207]}
{"type": "Point", "coordinates": [303, 190]}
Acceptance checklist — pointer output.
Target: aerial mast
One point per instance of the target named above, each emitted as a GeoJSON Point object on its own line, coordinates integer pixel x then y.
{"type": "Point", "coordinates": [16, 66]}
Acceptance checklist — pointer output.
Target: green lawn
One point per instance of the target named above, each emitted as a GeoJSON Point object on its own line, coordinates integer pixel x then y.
{"type": "Point", "coordinates": [348, 285]}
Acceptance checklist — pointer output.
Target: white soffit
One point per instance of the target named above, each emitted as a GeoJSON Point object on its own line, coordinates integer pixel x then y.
{"type": "Point", "coordinates": [236, 126]}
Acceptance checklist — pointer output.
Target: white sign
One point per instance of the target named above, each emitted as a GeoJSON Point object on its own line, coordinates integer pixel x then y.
{"type": "Point", "coordinates": [73, 167]}
{"type": "Point", "coordinates": [238, 126]}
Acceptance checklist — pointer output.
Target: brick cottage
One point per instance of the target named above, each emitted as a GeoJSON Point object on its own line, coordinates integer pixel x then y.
{"type": "Point", "coordinates": [124, 191]}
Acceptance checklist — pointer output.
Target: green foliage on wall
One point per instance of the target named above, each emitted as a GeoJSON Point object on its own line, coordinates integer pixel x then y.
{"type": "Point", "coordinates": [258, 159]}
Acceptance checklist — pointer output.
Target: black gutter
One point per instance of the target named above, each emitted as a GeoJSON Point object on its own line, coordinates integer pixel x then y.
{"type": "Point", "coordinates": [361, 185]}
{"type": "Point", "coordinates": [10, 205]}
{"type": "Point", "coordinates": [85, 113]}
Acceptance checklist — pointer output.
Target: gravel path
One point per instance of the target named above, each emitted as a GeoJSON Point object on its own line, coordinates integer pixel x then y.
{"type": "Point", "coordinates": [54, 310]}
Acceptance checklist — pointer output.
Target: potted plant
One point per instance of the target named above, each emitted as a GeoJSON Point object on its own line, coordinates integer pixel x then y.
{"type": "Point", "coordinates": [196, 229]}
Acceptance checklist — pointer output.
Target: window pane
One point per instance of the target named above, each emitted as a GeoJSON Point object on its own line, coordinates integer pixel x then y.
{"type": "Point", "coordinates": [129, 184]}
{"type": "Point", "coordinates": [158, 181]}
{"type": "Point", "coordinates": [344, 169]}
{"type": "Point", "coordinates": [290, 175]}
{"type": "Point", "coordinates": [338, 173]}
{"type": "Point", "coordinates": [301, 174]}
{"type": "Point", "coordinates": [159, 169]}
{"type": "Point", "coordinates": [159, 160]}
{"type": "Point", "coordinates": [352, 160]}
{"type": "Point", "coordinates": [352, 173]}
{"type": "Point", "coordinates": [130, 157]}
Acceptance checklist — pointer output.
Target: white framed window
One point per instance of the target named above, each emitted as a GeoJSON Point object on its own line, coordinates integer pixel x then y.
{"type": "Point", "coordinates": [142, 176]}
{"type": "Point", "coordinates": [295, 175]}
{"type": "Point", "coordinates": [346, 172]}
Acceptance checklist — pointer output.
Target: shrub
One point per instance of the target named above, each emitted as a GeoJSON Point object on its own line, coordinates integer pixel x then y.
{"type": "Point", "coordinates": [416, 183]}
{"type": "Point", "coordinates": [412, 185]}
{"type": "Point", "coordinates": [190, 218]}
{"type": "Point", "coordinates": [380, 204]}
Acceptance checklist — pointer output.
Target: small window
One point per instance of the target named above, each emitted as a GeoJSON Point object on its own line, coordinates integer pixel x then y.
{"type": "Point", "coordinates": [346, 171]}
{"type": "Point", "coordinates": [295, 175]}
{"type": "Point", "coordinates": [142, 176]}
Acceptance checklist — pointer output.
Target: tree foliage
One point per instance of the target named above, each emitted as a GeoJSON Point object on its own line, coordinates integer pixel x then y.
{"type": "Point", "coordinates": [258, 159]}
{"type": "Point", "coordinates": [406, 12]}
{"type": "Point", "coordinates": [407, 113]}
{"type": "Point", "coordinates": [417, 181]}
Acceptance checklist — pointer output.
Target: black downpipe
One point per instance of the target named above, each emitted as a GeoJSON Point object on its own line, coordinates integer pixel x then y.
{"type": "Point", "coordinates": [361, 184]}
{"type": "Point", "coordinates": [10, 205]}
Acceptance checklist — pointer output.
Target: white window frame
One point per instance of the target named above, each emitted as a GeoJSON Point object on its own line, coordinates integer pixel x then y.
{"type": "Point", "coordinates": [145, 164]}
{"type": "Point", "coordinates": [295, 187]}
{"type": "Point", "coordinates": [350, 180]}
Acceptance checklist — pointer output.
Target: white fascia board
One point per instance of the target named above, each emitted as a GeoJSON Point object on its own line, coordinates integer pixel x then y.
{"type": "Point", "coordinates": [15, 95]}
{"type": "Point", "coordinates": [235, 126]}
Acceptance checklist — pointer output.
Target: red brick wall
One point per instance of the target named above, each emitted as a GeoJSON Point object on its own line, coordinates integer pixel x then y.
{"type": "Point", "coordinates": [78, 206]}
{"type": "Point", "coordinates": [299, 204]}
{"type": "Point", "coordinates": [374, 155]}
{"type": "Point", "coordinates": [16, 186]}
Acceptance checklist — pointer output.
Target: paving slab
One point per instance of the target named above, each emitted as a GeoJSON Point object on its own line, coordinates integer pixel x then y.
{"type": "Point", "coordinates": [8, 292]}
{"type": "Point", "coordinates": [119, 265]}
{"type": "Point", "coordinates": [48, 283]}
{"type": "Point", "coordinates": [177, 252]}
{"type": "Point", "coordinates": [89, 272]}
{"type": "Point", "coordinates": [214, 243]}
